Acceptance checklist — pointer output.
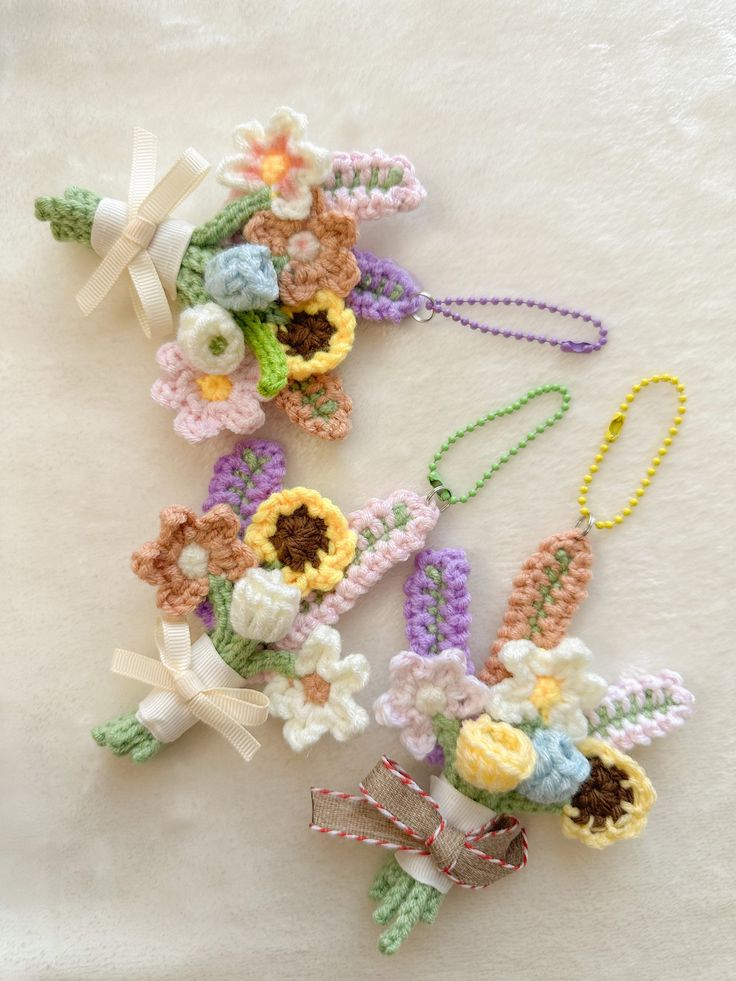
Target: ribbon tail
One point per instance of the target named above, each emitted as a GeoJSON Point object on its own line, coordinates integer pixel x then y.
{"type": "Point", "coordinates": [237, 735]}
{"type": "Point", "coordinates": [345, 816]}
{"type": "Point", "coordinates": [141, 668]}
{"type": "Point", "coordinates": [149, 298]}
{"type": "Point", "coordinates": [106, 274]}
{"type": "Point", "coordinates": [246, 706]}
{"type": "Point", "coordinates": [177, 183]}
{"type": "Point", "coordinates": [174, 644]}
{"type": "Point", "coordinates": [142, 168]}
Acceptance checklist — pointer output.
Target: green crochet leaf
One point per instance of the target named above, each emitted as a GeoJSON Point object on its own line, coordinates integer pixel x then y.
{"type": "Point", "coordinates": [402, 902]}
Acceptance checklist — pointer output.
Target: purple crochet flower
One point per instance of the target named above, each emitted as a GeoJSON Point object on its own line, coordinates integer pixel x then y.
{"type": "Point", "coordinates": [422, 687]}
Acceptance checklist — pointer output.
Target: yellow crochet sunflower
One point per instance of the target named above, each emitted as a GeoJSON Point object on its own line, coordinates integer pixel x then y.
{"type": "Point", "coordinates": [613, 803]}
{"type": "Point", "coordinates": [306, 536]}
{"type": "Point", "coordinates": [318, 335]}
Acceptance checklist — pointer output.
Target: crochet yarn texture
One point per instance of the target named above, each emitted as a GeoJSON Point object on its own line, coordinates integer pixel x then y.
{"type": "Point", "coordinates": [509, 750]}
{"type": "Point", "coordinates": [263, 266]}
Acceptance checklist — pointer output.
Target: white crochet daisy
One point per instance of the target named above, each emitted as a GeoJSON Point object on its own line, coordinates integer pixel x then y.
{"type": "Point", "coordinates": [552, 685]}
{"type": "Point", "coordinates": [279, 157]}
{"type": "Point", "coordinates": [319, 699]}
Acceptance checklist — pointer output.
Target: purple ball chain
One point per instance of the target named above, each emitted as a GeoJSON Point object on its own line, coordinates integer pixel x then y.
{"type": "Point", "coordinates": [443, 306]}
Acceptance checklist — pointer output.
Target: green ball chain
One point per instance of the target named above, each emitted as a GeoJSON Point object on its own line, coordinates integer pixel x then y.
{"type": "Point", "coordinates": [438, 485]}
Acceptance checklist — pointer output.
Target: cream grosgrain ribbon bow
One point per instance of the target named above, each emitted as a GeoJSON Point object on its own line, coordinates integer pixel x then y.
{"type": "Point", "coordinates": [137, 237]}
{"type": "Point", "coordinates": [226, 710]}
{"type": "Point", "coordinates": [393, 811]}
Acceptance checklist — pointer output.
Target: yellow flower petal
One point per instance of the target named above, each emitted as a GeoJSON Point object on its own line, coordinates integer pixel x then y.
{"type": "Point", "coordinates": [326, 565]}
{"type": "Point", "coordinates": [623, 804]}
{"type": "Point", "coordinates": [342, 321]}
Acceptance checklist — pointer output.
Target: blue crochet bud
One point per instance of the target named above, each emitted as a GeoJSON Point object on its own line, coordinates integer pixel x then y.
{"type": "Point", "coordinates": [242, 278]}
{"type": "Point", "coordinates": [559, 771]}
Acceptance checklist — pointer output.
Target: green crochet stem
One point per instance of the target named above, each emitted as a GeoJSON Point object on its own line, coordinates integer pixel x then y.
{"type": "Point", "coordinates": [126, 736]}
{"type": "Point", "coordinates": [403, 902]}
{"type": "Point", "coordinates": [71, 218]}
{"type": "Point", "coordinates": [447, 731]}
{"type": "Point", "coordinates": [247, 657]}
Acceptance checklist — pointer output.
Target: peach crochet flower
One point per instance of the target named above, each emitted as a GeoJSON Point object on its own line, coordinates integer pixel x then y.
{"type": "Point", "coordinates": [317, 249]}
{"type": "Point", "coordinates": [187, 551]}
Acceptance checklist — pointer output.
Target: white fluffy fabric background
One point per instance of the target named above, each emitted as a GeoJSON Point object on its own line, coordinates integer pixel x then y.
{"type": "Point", "coordinates": [578, 152]}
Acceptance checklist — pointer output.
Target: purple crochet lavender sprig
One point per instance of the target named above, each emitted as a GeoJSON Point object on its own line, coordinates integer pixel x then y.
{"type": "Point", "coordinates": [243, 479]}
{"type": "Point", "coordinates": [385, 291]}
{"type": "Point", "coordinates": [437, 610]}
{"type": "Point", "coordinates": [246, 477]}
{"type": "Point", "coordinates": [437, 603]}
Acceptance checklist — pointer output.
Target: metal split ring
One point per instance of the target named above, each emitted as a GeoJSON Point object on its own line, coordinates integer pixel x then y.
{"type": "Point", "coordinates": [588, 521]}
{"type": "Point", "coordinates": [428, 310]}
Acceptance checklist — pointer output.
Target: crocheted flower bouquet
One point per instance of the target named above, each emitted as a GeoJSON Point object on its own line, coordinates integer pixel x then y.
{"type": "Point", "coordinates": [269, 288]}
{"type": "Point", "coordinates": [268, 571]}
{"type": "Point", "coordinates": [536, 732]}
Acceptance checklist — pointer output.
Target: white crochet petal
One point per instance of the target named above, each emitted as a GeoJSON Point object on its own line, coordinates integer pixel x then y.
{"type": "Point", "coordinates": [508, 701]}
{"type": "Point", "coordinates": [295, 207]}
{"type": "Point", "coordinates": [349, 674]}
{"type": "Point", "coordinates": [247, 133]}
{"type": "Point", "coordinates": [287, 122]}
{"type": "Point", "coordinates": [286, 700]}
{"type": "Point", "coordinates": [345, 718]}
{"type": "Point", "coordinates": [320, 648]}
{"type": "Point", "coordinates": [229, 172]}
{"type": "Point", "coordinates": [299, 734]}
{"type": "Point", "coordinates": [317, 163]}
{"type": "Point", "coordinates": [569, 719]}
{"type": "Point", "coordinates": [571, 654]}
{"type": "Point", "coordinates": [517, 656]}
{"type": "Point", "coordinates": [590, 689]}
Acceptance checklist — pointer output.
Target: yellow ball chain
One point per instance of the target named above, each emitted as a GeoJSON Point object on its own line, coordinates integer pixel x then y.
{"type": "Point", "coordinates": [614, 429]}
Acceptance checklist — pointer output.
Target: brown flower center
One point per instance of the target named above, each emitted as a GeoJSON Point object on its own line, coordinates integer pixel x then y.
{"type": "Point", "coordinates": [602, 795]}
{"type": "Point", "coordinates": [316, 689]}
{"type": "Point", "coordinates": [306, 334]}
{"type": "Point", "coordinates": [298, 539]}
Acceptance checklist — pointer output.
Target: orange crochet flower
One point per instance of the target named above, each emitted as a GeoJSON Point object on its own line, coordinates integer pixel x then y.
{"type": "Point", "coordinates": [187, 551]}
{"type": "Point", "coordinates": [317, 249]}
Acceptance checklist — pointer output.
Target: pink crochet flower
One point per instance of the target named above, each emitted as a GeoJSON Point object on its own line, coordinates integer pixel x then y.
{"type": "Point", "coordinates": [422, 687]}
{"type": "Point", "coordinates": [207, 404]}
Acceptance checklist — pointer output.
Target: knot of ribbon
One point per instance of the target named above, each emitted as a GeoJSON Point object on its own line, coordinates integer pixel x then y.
{"type": "Point", "coordinates": [392, 811]}
{"type": "Point", "coordinates": [226, 710]}
{"type": "Point", "coordinates": [139, 237]}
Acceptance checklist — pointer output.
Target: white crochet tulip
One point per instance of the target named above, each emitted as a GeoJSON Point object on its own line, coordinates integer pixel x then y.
{"type": "Point", "coordinates": [263, 606]}
{"type": "Point", "coordinates": [210, 339]}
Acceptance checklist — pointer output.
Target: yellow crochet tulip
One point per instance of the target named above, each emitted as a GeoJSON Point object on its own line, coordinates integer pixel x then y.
{"type": "Point", "coordinates": [493, 756]}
